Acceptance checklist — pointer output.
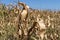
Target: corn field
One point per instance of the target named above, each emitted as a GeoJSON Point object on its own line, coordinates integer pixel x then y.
{"type": "Point", "coordinates": [39, 24]}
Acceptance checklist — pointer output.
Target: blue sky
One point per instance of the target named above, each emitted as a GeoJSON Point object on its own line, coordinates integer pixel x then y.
{"type": "Point", "coordinates": [38, 4]}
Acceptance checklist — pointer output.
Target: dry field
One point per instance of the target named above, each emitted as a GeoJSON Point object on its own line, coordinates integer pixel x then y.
{"type": "Point", "coordinates": [47, 18]}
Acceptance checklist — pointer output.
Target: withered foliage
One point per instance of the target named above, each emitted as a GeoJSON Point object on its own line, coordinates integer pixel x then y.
{"type": "Point", "coordinates": [39, 24]}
